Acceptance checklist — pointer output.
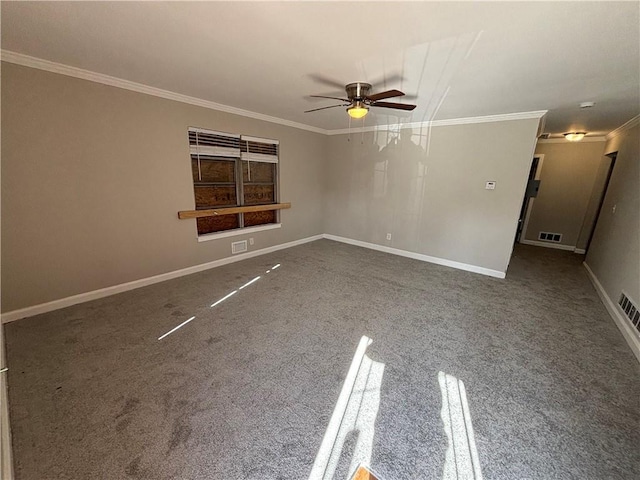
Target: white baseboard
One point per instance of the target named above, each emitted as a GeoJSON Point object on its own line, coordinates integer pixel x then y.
{"type": "Point", "coordinates": [6, 457]}
{"type": "Point", "coordinates": [143, 282]}
{"type": "Point", "coordinates": [557, 246]}
{"type": "Point", "coordinates": [418, 256]}
{"type": "Point", "coordinates": [622, 322]}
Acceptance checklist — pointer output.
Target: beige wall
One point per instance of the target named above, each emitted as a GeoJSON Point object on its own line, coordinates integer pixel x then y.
{"type": "Point", "coordinates": [428, 189]}
{"type": "Point", "coordinates": [567, 199]}
{"type": "Point", "coordinates": [591, 213]}
{"type": "Point", "coordinates": [93, 177]}
{"type": "Point", "coordinates": [614, 254]}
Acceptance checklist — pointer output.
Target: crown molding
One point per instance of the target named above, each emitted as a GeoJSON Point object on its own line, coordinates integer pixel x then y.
{"type": "Point", "coordinates": [626, 126]}
{"type": "Point", "coordinates": [33, 62]}
{"type": "Point", "coordinates": [41, 64]}
{"type": "Point", "coordinates": [443, 123]}
{"type": "Point", "coordinates": [564, 140]}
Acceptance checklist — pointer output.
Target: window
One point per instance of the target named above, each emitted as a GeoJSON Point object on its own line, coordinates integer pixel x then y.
{"type": "Point", "coordinates": [233, 171]}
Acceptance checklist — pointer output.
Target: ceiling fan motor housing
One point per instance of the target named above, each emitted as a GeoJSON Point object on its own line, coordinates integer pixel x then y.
{"type": "Point", "coordinates": [359, 99]}
{"type": "Point", "coordinates": [358, 90]}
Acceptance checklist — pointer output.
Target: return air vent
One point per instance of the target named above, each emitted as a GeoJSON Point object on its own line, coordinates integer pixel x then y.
{"type": "Point", "coordinates": [238, 247]}
{"type": "Point", "coordinates": [630, 310]}
{"type": "Point", "coordinates": [550, 237]}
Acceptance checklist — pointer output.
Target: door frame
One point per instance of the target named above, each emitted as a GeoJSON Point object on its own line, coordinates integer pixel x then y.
{"type": "Point", "coordinates": [612, 156]}
{"type": "Point", "coordinates": [527, 214]}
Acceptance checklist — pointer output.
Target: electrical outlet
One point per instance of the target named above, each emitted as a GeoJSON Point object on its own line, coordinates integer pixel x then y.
{"type": "Point", "coordinates": [491, 185]}
{"type": "Point", "coordinates": [388, 236]}
{"type": "Point", "coordinates": [251, 241]}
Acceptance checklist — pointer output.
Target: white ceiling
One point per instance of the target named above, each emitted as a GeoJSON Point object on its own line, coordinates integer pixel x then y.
{"type": "Point", "coordinates": [459, 59]}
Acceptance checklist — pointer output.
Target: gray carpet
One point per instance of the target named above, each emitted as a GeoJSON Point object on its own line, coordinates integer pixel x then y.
{"type": "Point", "coordinates": [247, 388]}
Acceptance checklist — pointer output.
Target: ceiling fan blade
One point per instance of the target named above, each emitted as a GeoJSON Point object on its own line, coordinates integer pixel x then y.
{"type": "Point", "coordinates": [326, 80]}
{"type": "Point", "coordinates": [332, 98]}
{"type": "Point", "coordinates": [399, 106]}
{"type": "Point", "coordinates": [324, 108]}
{"type": "Point", "coordinates": [382, 95]}
{"type": "Point", "coordinates": [394, 77]}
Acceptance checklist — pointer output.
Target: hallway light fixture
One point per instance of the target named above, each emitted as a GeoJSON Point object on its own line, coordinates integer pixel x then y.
{"type": "Point", "coordinates": [358, 110]}
{"type": "Point", "coordinates": [574, 136]}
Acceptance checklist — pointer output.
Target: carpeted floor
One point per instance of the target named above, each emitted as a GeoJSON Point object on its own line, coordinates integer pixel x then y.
{"type": "Point", "coordinates": [246, 389]}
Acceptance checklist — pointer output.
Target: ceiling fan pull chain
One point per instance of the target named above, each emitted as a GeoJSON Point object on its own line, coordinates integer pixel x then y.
{"type": "Point", "coordinates": [349, 136]}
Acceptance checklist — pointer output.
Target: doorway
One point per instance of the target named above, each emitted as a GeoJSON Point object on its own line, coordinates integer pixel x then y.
{"type": "Point", "coordinates": [533, 185]}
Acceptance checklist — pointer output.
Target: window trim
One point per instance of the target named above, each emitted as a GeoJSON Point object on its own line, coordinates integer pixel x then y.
{"type": "Point", "coordinates": [227, 148]}
{"type": "Point", "coordinates": [237, 231]}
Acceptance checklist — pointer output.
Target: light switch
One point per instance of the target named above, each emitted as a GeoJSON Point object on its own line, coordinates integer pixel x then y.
{"type": "Point", "coordinates": [490, 186]}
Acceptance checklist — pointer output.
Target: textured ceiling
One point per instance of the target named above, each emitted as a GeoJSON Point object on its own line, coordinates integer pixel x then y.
{"type": "Point", "coordinates": [456, 59]}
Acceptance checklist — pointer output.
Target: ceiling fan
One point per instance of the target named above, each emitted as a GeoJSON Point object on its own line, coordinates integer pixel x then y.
{"type": "Point", "coordinates": [359, 100]}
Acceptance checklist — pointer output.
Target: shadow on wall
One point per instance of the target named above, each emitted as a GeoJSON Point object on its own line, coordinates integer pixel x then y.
{"type": "Point", "coordinates": [391, 164]}
{"type": "Point", "coordinates": [390, 168]}
{"type": "Point", "coordinates": [408, 187]}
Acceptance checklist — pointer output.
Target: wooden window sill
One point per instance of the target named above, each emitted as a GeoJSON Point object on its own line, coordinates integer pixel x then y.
{"type": "Point", "coordinates": [232, 210]}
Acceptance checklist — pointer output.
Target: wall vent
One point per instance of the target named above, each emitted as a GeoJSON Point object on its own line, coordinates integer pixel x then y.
{"type": "Point", "coordinates": [630, 310]}
{"type": "Point", "coordinates": [238, 247]}
{"type": "Point", "coordinates": [550, 237]}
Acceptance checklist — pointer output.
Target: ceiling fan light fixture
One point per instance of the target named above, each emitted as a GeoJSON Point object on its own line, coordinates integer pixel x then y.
{"type": "Point", "coordinates": [574, 136]}
{"type": "Point", "coordinates": [358, 100]}
{"type": "Point", "coordinates": [358, 110]}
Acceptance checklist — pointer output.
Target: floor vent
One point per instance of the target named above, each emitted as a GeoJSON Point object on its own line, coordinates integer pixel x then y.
{"type": "Point", "coordinates": [630, 310]}
{"type": "Point", "coordinates": [550, 237]}
{"type": "Point", "coordinates": [238, 247]}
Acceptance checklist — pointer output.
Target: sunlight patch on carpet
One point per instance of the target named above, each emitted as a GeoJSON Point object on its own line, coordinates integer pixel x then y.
{"type": "Point", "coordinates": [461, 461]}
{"type": "Point", "coordinates": [355, 411]}
{"type": "Point", "coordinates": [218, 302]}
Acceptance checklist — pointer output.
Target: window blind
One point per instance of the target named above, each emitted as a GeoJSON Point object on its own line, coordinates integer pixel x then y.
{"type": "Point", "coordinates": [254, 149]}
{"type": "Point", "coordinates": [214, 144]}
